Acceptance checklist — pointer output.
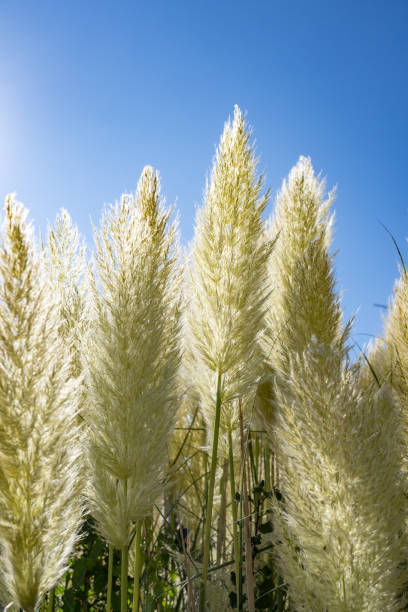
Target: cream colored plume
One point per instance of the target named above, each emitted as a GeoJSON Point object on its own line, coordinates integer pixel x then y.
{"type": "Point", "coordinates": [338, 530]}
{"type": "Point", "coordinates": [388, 357]}
{"type": "Point", "coordinates": [131, 357]}
{"type": "Point", "coordinates": [303, 303]}
{"type": "Point", "coordinates": [228, 277]}
{"type": "Point", "coordinates": [40, 452]}
{"type": "Point", "coordinates": [65, 256]}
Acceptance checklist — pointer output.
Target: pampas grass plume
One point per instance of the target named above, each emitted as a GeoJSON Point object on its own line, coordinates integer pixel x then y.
{"type": "Point", "coordinates": [228, 282]}
{"type": "Point", "coordinates": [131, 358]}
{"type": "Point", "coordinates": [40, 451]}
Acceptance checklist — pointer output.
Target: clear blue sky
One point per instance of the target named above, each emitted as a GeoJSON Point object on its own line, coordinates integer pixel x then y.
{"type": "Point", "coordinates": [92, 91]}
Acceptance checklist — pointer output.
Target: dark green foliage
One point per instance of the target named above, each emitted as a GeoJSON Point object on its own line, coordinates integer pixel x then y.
{"type": "Point", "coordinates": [163, 578]}
{"type": "Point", "coordinates": [85, 582]}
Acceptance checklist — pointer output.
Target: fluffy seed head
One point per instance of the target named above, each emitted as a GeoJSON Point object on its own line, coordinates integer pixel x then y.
{"type": "Point", "coordinates": [303, 303]}
{"type": "Point", "coordinates": [337, 532]}
{"type": "Point", "coordinates": [131, 358]}
{"type": "Point", "coordinates": [228, 276]}
{"type": "Point", "coordinates": [40, 451]}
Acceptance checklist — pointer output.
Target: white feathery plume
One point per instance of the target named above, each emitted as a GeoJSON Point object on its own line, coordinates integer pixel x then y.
{"type": "Point", "coordinates": [40, 451]}
{"type": "Point", "coordinates": [227, 290]}
{"type": "Point", "coordinates": [131, 358]}
{"type": "Point", "coordinates": [387, 361]}
{"type": "Point", "coordinates": [303, 303]}
{"type": "Point", "coordinates": [388, 356]}
{"type": "Point", "coordinates": [65, 260]}
{"type": "Point", "coordinates": [337, 531]}
{"type": "Point", "coordinates": [228, 282]}
{"type": "Point", "coordinates": [65, 254]}
{"type": "Point", "coordinates": [299, 307]}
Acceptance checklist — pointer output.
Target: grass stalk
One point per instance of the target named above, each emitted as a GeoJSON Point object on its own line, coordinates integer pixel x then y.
{"type": "Point", "coordinates": [191, 606]}
{"type": "Point", "coordinates": [205, 486]}
{"type": "Point", "coordinates": [252, 459]}
{"type": "Point", "coordinates": [51, 600]}
{"type": "Point", "coordinates": [138, 566]}
{"type": "Point", "coordinates": [257, 453]}
{"type": "Point", "coordinates": [250, 584]}
{"type": "Point", "coordinates": [268, 481]}
{"type": "Point", "coordinates": [124, 566]}
{"type": "Point", "coordinates": [223, 512]}
{"type": "Point", "coordinates": [110, 578]}
{"type": "Point", "coordinates": [210, 499]}
{"type": "Point", "coordinates": [280, 595]}
{"type": "Point", "coordinates": [267, 463]}
{"type": "Point", "coordinates": [234, 520]}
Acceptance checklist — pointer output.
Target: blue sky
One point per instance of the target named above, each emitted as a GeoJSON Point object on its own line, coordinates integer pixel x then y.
{"type": "Point", "coordinates": [92, 91]}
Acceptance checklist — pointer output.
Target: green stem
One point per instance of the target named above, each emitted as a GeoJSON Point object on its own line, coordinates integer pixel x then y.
{"type": "Point", "coordinates": [267, 459]}
{"type": "Point", "coordinates": [257, 452]}
{"type": "Point", "coordinates": [241, 505]}
{"type": "Point", "coordinates": [234, 518]}
{"type": "Point", "coordinates": [344, 592]}
{"type": "Point", "coordinates": [222, 513]}
{"type": "Point", "coordinates": [241, 522]}
{"type": "Point", "coordinates": [110, 577]}
{"type": "Point", "coordinates": [268, 483]}
{"type": "Point", "coordinates": [51, 600]}
{"type": "Point", "coordinates": [124, 566]}
{"type": "Point", "coordinates": [254, 471]}
{"type": "Point", "coordinates": [138, 566]}
{"type": "Point", "coordinates": [281, 600]}
{"type": "Point", "coordinates": [206, 474]}
{"type": "Point", "coordinates": [210, 499]}
{"type": "Point", "coordinates": [250, 586]}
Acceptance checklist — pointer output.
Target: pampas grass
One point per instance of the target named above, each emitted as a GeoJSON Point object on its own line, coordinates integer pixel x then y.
{"type": "Point", "coordinates": [302, 303]}
{"type": "Point", "coordinates": [133, 384]}
{"type": "Point", "coordinates": [131, 358]}
{"type": "Point", "coordinates": [338, 531]}
{"type": "Point", "coordinates": [326, 429]}
{"type": "Point", "coordinates": [228, 289]}
{"type": "Point", "coordinates": [40, 444]}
